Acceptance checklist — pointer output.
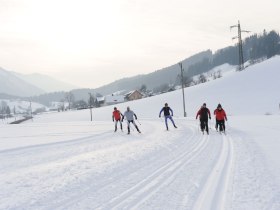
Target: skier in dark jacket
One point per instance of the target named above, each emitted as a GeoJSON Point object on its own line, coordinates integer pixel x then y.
{"type": "Point", "coordinates": [220, 118]}
{"type": "Point", "coordinates": [129, 114]}
{"type": "Point", "coordinates": [166, 111]}
{"type": "Point", "coordinates": [203, 114]}
{"type": "Point", "coordinates": [117, 116]}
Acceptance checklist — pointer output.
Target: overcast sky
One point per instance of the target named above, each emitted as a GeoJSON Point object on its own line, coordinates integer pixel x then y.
{"type": "Point", "coordinates": [90, 43]}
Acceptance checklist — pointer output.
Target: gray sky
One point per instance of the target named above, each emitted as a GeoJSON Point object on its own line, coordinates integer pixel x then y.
{"type": "Point", "coordinates": [90, 43]}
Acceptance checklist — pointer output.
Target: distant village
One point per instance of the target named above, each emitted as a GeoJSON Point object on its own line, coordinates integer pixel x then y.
{"type": "Point", "coordinates": [98, 101]}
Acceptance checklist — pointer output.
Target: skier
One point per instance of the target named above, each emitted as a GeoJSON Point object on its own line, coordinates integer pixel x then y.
{"type": "Point", "coordinates": [203, 117]}
{"type": "Point", "coordinates": [220, 118]}
{"type": "Point", "coordinates": [117, 118]}
{"type": "Point", "coordinates": [166, 111]}
{"type": "Point", "coordinates": [129, 117]}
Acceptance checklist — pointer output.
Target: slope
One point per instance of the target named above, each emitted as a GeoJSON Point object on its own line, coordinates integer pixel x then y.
{"type": "Point", "coordinates": [12, 85]}
{"type": "Point", "coordinates": [47, 83]}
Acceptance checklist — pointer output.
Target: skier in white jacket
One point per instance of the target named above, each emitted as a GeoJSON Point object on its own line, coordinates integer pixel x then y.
{"type": "Point", "coordinates": [128, 114]}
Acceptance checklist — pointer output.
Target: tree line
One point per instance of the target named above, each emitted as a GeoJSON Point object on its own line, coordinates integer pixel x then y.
{"type": "Point", "coordinates": [5, 110]}
{"type": "Point", "coordinates": [255, 47]}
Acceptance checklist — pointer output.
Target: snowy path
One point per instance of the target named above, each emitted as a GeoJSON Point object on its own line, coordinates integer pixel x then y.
{"type": "Point", "coordinates": [80, 166]}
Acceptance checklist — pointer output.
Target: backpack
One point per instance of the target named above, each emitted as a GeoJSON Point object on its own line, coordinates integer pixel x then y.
{"type": "Point", "coordinates": [204, 113]}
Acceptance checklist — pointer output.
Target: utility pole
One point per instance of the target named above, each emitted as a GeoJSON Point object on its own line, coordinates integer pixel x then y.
{"type": "Point", "coordinates": [240, 48]}
{"type": "Point", "coordinates": [31, 110]}
{"type": "Point", "coordinates": [90, 105]}
{"type": "Point", "coordinates": [182, 80]}
{"type": "Point", "coordinates": [15, 113]}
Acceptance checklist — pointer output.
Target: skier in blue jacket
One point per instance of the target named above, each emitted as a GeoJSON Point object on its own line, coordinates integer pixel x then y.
{"type": "Point", "coordinates": [166, 111]}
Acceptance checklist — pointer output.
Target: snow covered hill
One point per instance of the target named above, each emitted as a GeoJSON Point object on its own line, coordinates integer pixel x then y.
{"type": "Point", "coordinates": [254, 91]}
{"type": "Point", "coordinates": [65, 161]}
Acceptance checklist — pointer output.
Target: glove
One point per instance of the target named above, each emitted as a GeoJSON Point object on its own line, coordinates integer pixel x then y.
{"type": "Point", "coordinates": [113, 120]}
{"type": "Point", "coordinates": [159, 116]}
{"type": "Point", "coordinates": [135, 118]}
{"type": "Point", "coordinates": [210, 118]}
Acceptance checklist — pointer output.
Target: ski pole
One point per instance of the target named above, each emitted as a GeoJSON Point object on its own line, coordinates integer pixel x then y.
{"type": "Point", "coordinates": [131, 127]}
{"type": "Point", "coordinates": [227, 124]}
{"type": "Point", "coordinates": [139, 122]}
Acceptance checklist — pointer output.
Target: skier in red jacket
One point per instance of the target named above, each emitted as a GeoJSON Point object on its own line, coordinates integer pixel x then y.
{"type": "Point", "coordinates": [117, 116]}
{"type": "Point", "coordinates": [203, 114]}
{"type": "Point", "coordinates": [220, 118]}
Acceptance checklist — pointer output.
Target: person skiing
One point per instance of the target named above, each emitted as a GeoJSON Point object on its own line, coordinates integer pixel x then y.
{"type": "Point", "coordinates": [129, 117]}
{"type": "Point", "coordinates": [166, 111]}
{"type": "Point", "coordinates": [117, 118]}
{"type": "Point", "coordinates": [220, 118]}
{"type": "Point", "coordinates": [203, 114]}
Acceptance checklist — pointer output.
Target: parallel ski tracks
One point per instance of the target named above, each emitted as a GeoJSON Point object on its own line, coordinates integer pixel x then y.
{"type": "Point", "coordinates": [130, 198]}
{"type": "Point", "coordinates": [148, 186]}
{"type": "Point", "coordinates": [213, 194]}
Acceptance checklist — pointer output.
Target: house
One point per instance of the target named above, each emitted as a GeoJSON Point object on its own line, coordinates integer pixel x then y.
{"type": "Point", "coordinates": [134, 95]}
{"type": "Point", "coordinates": [100, 100]}
{"type": "Point", "coordinates": [114, 99]}
{"type": "Point", "coordinates": [58, 106]}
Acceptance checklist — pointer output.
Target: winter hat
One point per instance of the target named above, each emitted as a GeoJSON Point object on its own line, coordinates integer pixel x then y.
{"type": "Point", "coordinates": [204, 104]}
{"type": "Point", "coordinates": [166, 104]}
{"type": "Point", "coordinates": [219, 106]}
{"type": "Point", "coordinates": [115, 108]}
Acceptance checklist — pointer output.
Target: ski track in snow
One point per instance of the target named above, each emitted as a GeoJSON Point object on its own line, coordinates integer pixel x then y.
{"type": "Point", "coordinates": [162, 176]}
{"type": "Point", "coordinates": [215, 189]}
{"type": "Point", "coordinates": [178, 169]}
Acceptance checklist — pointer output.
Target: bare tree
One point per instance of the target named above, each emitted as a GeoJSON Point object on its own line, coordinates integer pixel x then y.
{"type": "Point", "coordinates": [202, 78]}
{"type": "Point", "coordinates": [91, 101]}
{"type": "Point", "coordinates": [143, 88]}
{"type": "Point", "coordinates": [219, 74]}
{"type": "Point", "coordinates": [187, 81]}
{"type": "Point", "coordinates": [70, 98]}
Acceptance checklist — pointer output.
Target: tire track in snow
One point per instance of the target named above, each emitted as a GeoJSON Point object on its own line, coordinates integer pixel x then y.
{"type": "Point", "coordinates": [161, 177]}
{"type": "Point", "coordinates": [213, 193]}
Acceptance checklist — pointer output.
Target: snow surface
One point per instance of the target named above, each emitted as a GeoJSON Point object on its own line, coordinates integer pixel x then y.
{"type": "Point", "coordinates": [64, 161]}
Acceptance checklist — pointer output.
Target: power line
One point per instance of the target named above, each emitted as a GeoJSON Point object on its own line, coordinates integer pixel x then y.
{"type": "Point", "coordinates": [90, 105]}
{"type": "Point", "coordinates": [240, 47]}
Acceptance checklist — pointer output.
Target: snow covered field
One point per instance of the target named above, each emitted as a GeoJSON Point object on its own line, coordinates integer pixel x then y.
{"type": "Point", "coordinates": [64, 161]}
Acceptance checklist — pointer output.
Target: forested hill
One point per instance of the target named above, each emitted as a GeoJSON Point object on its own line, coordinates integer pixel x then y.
{"type": "Point", "coordinates": [255, 47]}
